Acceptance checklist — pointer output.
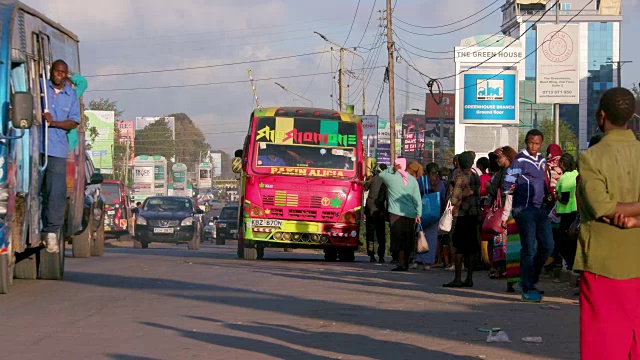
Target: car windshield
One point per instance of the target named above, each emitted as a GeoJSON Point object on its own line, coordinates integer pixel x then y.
{"type": "Point", "coordinates": [305, 147]}
{"type": "Point", "coordinates": [167, 204]}
{"type": "Point", "coordinates": [229, 213]}
{"type": "Point", "coordinates": [111, 193]}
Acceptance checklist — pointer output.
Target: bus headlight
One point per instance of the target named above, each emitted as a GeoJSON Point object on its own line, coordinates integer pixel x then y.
{"type": "Point", "coordinates": [348, 217]}
{"type": "Point", "coordinates": [141, 221]}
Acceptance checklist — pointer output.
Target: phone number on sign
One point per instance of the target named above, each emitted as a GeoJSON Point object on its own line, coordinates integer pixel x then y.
{"type": "Point", "coordinates": [557, 92]}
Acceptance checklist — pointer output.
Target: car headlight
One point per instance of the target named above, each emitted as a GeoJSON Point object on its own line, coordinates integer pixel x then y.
{"type": "Point", "coordinates": [141, 221]}
{"type": "Point", "coordinates": [186, 222]}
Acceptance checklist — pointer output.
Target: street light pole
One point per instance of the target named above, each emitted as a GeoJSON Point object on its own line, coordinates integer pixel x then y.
{"type": "Point", "coordinates": [364, 72]}
{"type": "Point", "coordinates": [291, 92]}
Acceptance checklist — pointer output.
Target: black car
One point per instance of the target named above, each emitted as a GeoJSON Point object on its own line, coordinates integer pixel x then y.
{"type": "Point", "coordinates": [168, 219]}
{"type": "Point", "coordinates": [227, 224]}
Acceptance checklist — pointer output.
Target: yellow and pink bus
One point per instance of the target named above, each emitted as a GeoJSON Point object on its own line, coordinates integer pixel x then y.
{"type": "Point", "coordinates": [301, 182]}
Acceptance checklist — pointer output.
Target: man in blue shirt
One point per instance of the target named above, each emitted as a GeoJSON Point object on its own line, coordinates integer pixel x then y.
{"type": "Point", "coordinates": [62, 116]}
{"type": "Point", "coordinates": [270, 160]}
{"type": "Point", "coordinates": [527, 177]}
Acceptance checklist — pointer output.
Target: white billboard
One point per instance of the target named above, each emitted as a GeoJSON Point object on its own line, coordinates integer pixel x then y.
{"type": "Point", "coordinates": [558, 64]}
{"type": "Point", "coordinates": [216, 163]}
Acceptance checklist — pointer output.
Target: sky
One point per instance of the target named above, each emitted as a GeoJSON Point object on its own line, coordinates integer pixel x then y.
{"type": "Point", "coordinates": [125, 36]}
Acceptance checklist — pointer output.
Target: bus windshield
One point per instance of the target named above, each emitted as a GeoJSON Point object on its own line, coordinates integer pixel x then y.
{"type": "Point", "coordinates": [305, 147]}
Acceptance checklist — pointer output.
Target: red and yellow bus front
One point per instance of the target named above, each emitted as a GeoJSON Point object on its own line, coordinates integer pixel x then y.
{"type": "Point", "coordinates": [302, 181]}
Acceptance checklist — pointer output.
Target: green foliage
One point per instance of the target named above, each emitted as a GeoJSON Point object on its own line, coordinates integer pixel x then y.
{"type": "Point", "coordinates": [568, 140]}
{"type": "Point", "coordinates": [156, 139]}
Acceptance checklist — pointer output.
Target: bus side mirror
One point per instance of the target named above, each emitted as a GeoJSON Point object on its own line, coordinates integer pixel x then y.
{"type": "Point", "coordinates": [96, 178]}
{"type": "Point", "coordinates": [238, 153]}
{"type": "Point", "coordinates": [236, 166]}
{"type": "Point", "coordinates": [370, 165]}
{"type": "Point", "coordinates": [21, 109]}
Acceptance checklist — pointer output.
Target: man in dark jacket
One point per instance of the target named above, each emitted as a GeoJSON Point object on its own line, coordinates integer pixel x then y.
{"type": "Point", "coordinates": [374, 211]}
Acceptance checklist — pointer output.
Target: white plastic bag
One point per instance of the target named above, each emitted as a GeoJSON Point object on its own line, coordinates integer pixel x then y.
{"type": "Point", "coordinates": [446, 220]}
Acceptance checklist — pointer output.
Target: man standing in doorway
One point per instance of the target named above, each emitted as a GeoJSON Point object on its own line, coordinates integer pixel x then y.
{"type": "Point", "coordinates": [607, 255]}
{"type": "Point", "coordinates": [527, 176]}
{"type": "Point", "coordinates": [62, 115]}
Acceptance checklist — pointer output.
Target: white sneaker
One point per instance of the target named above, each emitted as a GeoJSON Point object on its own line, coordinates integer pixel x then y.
{"type": "Point", "coordinates": [51, 242]}
{"type": "Point", "coordinates": [414, 266]}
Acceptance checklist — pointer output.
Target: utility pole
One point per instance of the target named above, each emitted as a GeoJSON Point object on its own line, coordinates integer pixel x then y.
{"type": "Point", "coordinates": [619, 65]}
{"type": "Point", "coordinates": [391, 75]}
{"type": "Point", "coordinates": [556, 106]}
{"type": "Point", "coordinates": [341, 74]}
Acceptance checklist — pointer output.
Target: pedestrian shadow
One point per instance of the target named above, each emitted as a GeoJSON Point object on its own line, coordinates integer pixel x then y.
{"type": "Point", "coordinates": [446, 316]}
{"type": "Point", "coordinates": [327, 341]}
{"type": "Point", "coordinates": [342, 343]}
{"type": "Point", "coordinates": [129, 357]}
{"type": "Point", "coordinates": [241, 343]}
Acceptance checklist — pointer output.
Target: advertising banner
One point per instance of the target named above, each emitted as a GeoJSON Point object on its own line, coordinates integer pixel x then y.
{"type": "Point", "coordinates": [489, 96]}
{"type": "Point", "coordinates": [127, 135]}
{"type": "Point", "coordinates": [143, 179]}
{"type": "Point", "coordinates": [433, 109]}
{"type": "Point", "coordinates": [384, 142]}
{"type": "Point", "coordinates": [413, 128]}
{"type": "Point", "coordinates": [216, 160]}
{"type": "Point", "coordinates": [558, 64]}
{"type": "Point", "coordinates": [370, 134]}
{"type": "Point", "coordinates": [102, 146]}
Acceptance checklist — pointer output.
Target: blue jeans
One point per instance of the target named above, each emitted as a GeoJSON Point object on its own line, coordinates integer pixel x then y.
{"type": "Point", "coordinates": [54, 194]}
{"type": "Point", "coordinates": [534, 227]}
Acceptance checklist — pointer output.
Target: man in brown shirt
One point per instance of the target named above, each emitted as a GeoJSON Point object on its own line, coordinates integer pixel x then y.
{"type": "Point", "coordinates": [609, 249]}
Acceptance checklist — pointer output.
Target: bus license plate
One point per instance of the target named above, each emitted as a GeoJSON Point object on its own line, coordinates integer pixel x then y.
{"type": "Point", "coordinates": [266, 223]}
{"type": "Point", "coordinates": [163, 230]}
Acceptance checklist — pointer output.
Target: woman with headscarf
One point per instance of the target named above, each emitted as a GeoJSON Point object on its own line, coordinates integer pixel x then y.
{"type": "Point", "coordinates": [405, 208]}
{"type": "Point", "coordinates": [466, 209]}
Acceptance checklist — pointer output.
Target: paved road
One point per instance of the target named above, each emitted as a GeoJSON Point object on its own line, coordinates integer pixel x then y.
{"type": "Point", "coordinates": [170, 303]}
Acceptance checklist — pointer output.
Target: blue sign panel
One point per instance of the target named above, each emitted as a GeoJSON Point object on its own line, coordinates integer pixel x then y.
{"type": "Point", "coordinates": [489, 98]}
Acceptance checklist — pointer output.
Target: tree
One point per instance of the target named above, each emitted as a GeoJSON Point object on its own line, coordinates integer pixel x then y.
{"type": "Point", "coordinates": [119, 149]}
{"type": "Point", "coordinates": [156, 139]}
{"type": "Point", "coordinates": [568, 139]}
{"type": "Point", "coordinates": [191, 143]}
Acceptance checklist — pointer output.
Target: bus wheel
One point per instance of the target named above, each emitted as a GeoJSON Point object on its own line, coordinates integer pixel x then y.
{"type": "Point", "coordinates": [347, 255]}
{"type": "Point", "coordinates": [52, 264]}
{"type": "Point", "coordinates": [27, 268]}
{"type": "Point", "coordinates": [260, 252]}
{"type": "Point", "coordinates": [97, 241]}
{"type": "Point", "coordinates": [330, 255]}
{"type": "Point", "coordinates": [81, 244]}
{"type": "Point", "coordinates": [250, 254]}
{"type": "Point", "coordinates": [6, 270]}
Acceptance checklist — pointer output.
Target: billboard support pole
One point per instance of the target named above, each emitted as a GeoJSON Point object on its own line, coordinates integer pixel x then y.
{"type": "Point", "coordinates": [441, 133]}
{"type": "Point", "coordinates": [556, 106]}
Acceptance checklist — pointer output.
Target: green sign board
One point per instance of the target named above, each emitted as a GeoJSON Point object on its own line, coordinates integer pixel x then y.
{"type": "Point", "coordinates": [102, 147]}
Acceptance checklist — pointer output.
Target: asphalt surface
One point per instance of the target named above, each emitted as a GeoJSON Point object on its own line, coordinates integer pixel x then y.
{"type": "Point", "coordinates": [166, 302]}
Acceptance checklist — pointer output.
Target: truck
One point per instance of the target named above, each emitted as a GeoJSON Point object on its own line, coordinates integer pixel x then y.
{"type": "Point", "coordinates": [179, 177]}
{"type": "Point", "coordinates": [301, 182]}
{"type": "Point", "coordinates": [160, 175]}
{"type": "Point", "coordinates": [30, 43]}
{"type": "Point", "coordinates": [143, 178]}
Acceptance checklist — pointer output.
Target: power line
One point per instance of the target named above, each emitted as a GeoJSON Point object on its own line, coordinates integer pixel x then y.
{"type": "Point", "coordinates": [445, 25]}
{"type": "Point", "coordinates": [352, 22]}
{"type": "Point", "coordinates": [450, 31]}
{"type": "Point", "coordinates": [368, 21]}
{"type": "Point", "coordinates": [208, 32]}
{"type": "Point", "coordinates": [205, 66]}
{"type": "Point", "coordinates": [531, 53]}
